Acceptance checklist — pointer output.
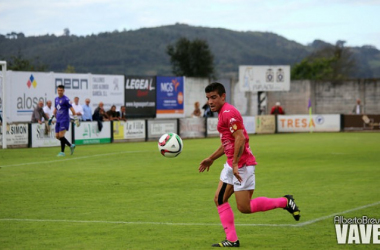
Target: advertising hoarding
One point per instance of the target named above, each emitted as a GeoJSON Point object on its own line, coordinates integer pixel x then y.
{"type": "Point", "coordinates": [129, 130]}
{"type": "Point", "coordinates": [108, 89]}
{"type": "Point", "coordinates": [265, 124]}
{"type": "Point", "coordinates": [249, 124]}
{"type": "Point", "coordinates": [140, 96]}
{"type": "Point", "coordinates": [26, 89]}
{"type": "Point", "coordinates": [192, 127]}
{"type": "Point", "coordinates": [17, 135]}
{"type": "Point", "coordinates": [88, 133]}
{"type": "Point", "coordinates": [264, 78]}
{"type": "Point", "coordinates": [170, 97]}
{"type": "Point", "coordinates": [212, 127]}
{"type": "Point", "coordinates": [42, 139]}
{"type": "Point", "coordinates": [305, 123]}
{"type": "Point", "coordinates": [156, 128]}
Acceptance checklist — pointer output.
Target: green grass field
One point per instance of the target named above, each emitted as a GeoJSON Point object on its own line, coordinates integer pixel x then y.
{"type": "Point", "coordinates": [128, 196]}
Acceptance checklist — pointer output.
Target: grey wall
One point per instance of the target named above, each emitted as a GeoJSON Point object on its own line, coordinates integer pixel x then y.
{"type": "Point", "coordinates": [327, 97]}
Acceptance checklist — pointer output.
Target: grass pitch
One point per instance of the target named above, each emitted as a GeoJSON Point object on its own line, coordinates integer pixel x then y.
{"type": "Point", "coordinates": [128, 196]}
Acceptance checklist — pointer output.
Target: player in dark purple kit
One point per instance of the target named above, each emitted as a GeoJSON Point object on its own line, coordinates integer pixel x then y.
{"type": "Point", "coordinates": [61, 112]}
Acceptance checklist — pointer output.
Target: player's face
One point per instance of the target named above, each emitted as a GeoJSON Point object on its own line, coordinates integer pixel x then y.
{"type": "Point", "coordinates": [215, 101]}
{"type": "Point", "coordinates": [60, 92]}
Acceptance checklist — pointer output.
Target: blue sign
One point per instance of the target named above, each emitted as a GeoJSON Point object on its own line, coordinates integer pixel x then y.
{"type": "Point", "coordinates": [170, 96]}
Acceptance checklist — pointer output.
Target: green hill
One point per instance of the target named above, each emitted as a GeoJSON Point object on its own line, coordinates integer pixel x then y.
{"type": "Point", "coordinates": [143, 51]}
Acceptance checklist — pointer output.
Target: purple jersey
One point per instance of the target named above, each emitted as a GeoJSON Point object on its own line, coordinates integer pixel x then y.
{"type": "Point", "coordinates": [62, 105]}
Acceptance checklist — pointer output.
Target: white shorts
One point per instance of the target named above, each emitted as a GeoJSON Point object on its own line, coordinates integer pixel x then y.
{"type": "Point", "coordinates": [247, 173]}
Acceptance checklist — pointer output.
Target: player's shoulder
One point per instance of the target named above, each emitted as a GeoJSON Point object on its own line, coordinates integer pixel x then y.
{"type": "Point", "coordinates": [229, 110]}
{"type": "Point", "coordinates": [66, 98]}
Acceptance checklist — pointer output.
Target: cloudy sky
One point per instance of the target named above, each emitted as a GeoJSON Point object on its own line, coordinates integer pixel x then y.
{"type": "Point", "coordinates": [355, 21]}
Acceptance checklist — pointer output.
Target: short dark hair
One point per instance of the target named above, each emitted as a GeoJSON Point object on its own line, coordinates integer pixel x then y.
{"type": "Point", "coordinates": [215, 86]}
{"type": "Point", "coordinates": [61, 86]}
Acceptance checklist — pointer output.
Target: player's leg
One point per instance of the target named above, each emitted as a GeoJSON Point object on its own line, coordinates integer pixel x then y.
{"type": "Point", "coordinates": [57, 135]}
{"type": "Point", "coordinates": [226, 215]}
{"type": "Point", "coordinates": [246, 204]}
{"type": "Point", "coordinates": [63, 140]}
{"type": "Point", "coordinates": [223, 193]}
{"type": "Point", "coordinates": [65, 127]}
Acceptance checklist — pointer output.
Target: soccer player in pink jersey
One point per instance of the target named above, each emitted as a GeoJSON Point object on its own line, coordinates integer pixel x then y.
{"type": "Point", "coordinates": [238, 174]}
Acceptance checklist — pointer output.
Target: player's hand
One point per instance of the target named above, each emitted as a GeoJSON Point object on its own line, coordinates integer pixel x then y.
{"type": "Point", "coordinates": [76, 121]}
{"type": "Point", "coordinates": [205, 164]}
{"type": "Point", "coordinates": [236, 173]}
{"type": "Point", "coordinates": [50, 120]}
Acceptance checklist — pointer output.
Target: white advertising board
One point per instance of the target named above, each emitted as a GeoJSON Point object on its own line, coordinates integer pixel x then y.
{"type": "Point", "coordinates": [264, 78]}
{"type": "Point", "coordinates": [134, 129]}
{"type": "Point", "coordinates": [40, 139]}
{"type": "Point", "coordinates": [303, 123]}
{"type": "Point", "coordinates": [108, 89]}
{"type": "Point", "coordinates": [249, 124]}
{"type": "Point", "coordinates": [1, 94]}
{"type": "Point", "coordinates": [88, 133]}
{"type": "Point", "coordinates": [248, 121]}
{"type": "Point", "coordinates": [76, 85]}
{"type": "Point", "coordinates": [17, 134]}
{"type": "Point", "coordinates": [212, 127]}
{"type": "Point", "coordinates": [26, 89]}
{"type": "Point", "coordinates": [156, 128]}
{"type": "Point", "coordinates": [192, 127]}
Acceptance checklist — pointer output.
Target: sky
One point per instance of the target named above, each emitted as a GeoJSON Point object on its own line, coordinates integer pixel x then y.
{"type": "Point", "coordinates": [355, 21]}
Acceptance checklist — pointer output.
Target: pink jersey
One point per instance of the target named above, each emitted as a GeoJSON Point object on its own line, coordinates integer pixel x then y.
{"type": "Point", "coordinates": [230, 120]}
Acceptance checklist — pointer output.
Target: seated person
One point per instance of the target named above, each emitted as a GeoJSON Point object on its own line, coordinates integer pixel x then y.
{"type": "Point", "coordinates": [112, 114]}
{"type": "Point", "coordinates": [122, 114]}
{"type": "Point", "coordinates": [99, 114]}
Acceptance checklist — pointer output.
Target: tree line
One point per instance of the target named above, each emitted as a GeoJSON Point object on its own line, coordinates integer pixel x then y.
{"type": "Point", "coordinates": [185, 50]}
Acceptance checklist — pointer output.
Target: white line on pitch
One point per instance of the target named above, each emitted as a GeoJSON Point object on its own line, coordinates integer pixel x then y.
{"type": "Point", "coordinates": [340, 213]}
{"type": "Point", "coordinates": [71, 159]}
{"type": "Point", "coordinates": [143, 222]}
{"type": "Point", "coordinates": [198, 224]}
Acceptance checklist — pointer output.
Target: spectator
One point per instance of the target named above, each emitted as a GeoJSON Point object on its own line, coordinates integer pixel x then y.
{"type": "Point", "coordinates": [207, 111]}
{"type": "Point", "coordinates": [104, 114]}
{"type": "Point", "coordinates": [277, 109]}
{"type": "Point", "coordinates": [112, 114]}
{"type": "Point", "coordinates": [197, 110]}
{"type": "Point", "coordinates": [358, 108]}
{"type": "Point", "coordinates": [38, 113]}
{"type": "Point", "coordinates": [122, 114]}
{"type": "Point", "coordinates": [48, 109]}
{"type": "Point", "coordinates": [78, 109]}
{"type": "Point", "coordinates": [98, 113]}
{"type": "Point", "coordinates": [87, 111]}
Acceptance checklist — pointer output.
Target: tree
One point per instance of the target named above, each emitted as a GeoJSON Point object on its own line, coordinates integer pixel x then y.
{"type": "Point", "coordinates": [191, 58]}
{"type": "Point", "coordinates": [70, 69]}
{"type": "Point", "coordinates": [66, 32]}
{"type": "Point", "coordinates": [316, 69]}
{"type": "Point", "coordinates": [333, 63]}
{"type": "Point", "coordinates": [19, 63]}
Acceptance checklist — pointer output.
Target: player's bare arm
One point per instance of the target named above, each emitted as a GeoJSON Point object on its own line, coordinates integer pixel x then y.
{"type": "Point", "coordinates": [73, 111]}
{"type": "Point", "coordinates": [238, 151]}
{"type": "Point", "coordinates": [206, 163]}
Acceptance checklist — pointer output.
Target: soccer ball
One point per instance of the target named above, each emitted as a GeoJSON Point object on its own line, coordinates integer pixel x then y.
{"type": "Point", "coordinates": [170, 145]}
